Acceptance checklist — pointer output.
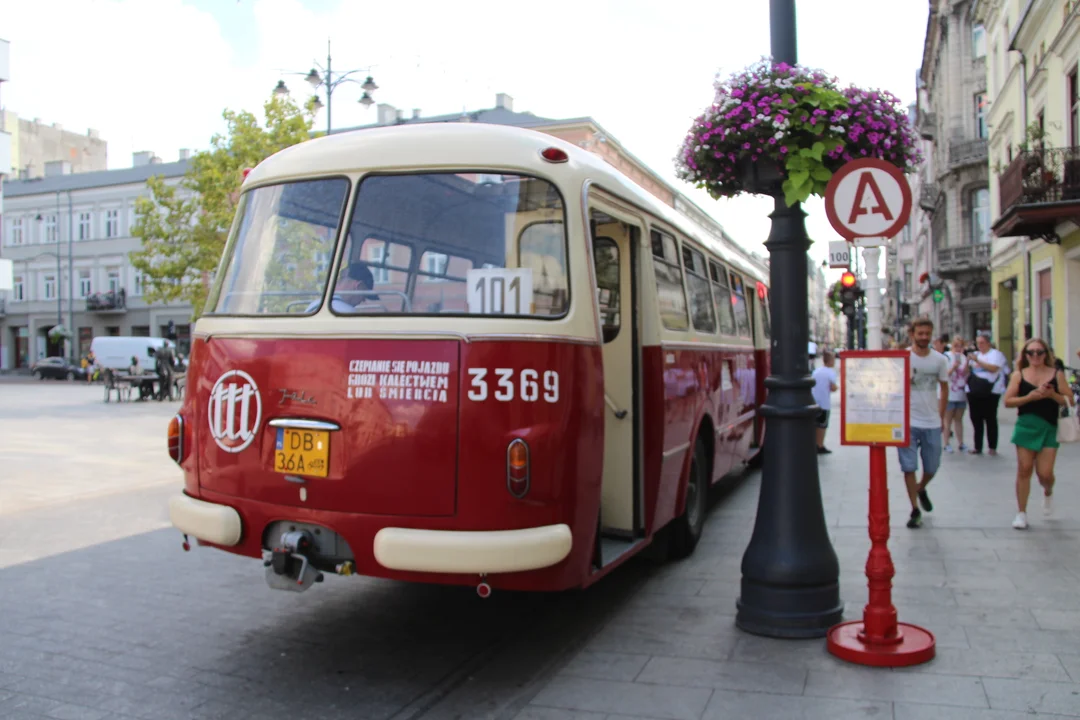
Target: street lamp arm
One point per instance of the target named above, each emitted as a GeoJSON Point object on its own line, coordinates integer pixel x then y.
{"type": "Point", "coordinates": [344, 77]}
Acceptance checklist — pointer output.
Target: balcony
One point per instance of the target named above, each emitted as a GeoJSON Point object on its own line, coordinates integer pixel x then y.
{"type": "Point", "coordinates": [928, 196]}
{"type": "Point", "coordinates": [107, 302]}
{"type": "Point", "coordinates": [1039, 190]}
{"type": "Point", "coordinates": [963, 257]}
{"type": "Point", "coordinates": [968, 152]}
{"type": "Point", "coordinates": [927, 123]}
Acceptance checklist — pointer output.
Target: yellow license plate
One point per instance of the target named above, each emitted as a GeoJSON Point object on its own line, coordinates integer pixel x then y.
{"type": "Point", "coordinates": [302, 452]}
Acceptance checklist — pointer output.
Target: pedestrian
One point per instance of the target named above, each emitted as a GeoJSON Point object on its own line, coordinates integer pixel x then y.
{"type": "Point", "coordinates": [985, 385]}
{"type": "Point", "coordinates": [1038, 390]}
{"type": "Point", "coordinates": [954, 411]}
{"type": "Point", "coordinates": [941, 343]}
{"type": "Point", "coordinates": [929, 397]}
{"type": "Point", "coordinates": [825, 384]}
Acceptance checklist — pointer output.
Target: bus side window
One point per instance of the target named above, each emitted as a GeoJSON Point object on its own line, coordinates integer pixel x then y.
{"type": "Point", "coordinates": [724, 299]}
{"type": "Point", "coordinates": [766, 318]}
{"type": "Point", "coordinates": [606, 255]}
{"type": "Point", "coordinates": [697, 284]}
{"type": "Point", "coordinates": [742, 315]}
{"type": "Point", "coordinates": [669, 285]}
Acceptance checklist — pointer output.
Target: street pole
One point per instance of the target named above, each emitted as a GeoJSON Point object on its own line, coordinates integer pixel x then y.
{"type": "Point", "coordinates": [790, 573]}
{"type": "Point", "coordinates": [71, 274]}
{"type": "Point", "coordinates": [59, 276]}
{"type": "Point", "coordinates": [329, 87]}
{"type": "Point", "coordinates": [872, 255]}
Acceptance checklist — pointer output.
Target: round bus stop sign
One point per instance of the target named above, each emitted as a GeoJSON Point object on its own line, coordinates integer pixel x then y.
{"type": "Point", "coordinates": [868, 198]}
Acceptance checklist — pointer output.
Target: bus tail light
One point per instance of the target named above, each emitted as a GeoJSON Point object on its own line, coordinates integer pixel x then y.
{"type": "Point", "coordinates": [176, 439]}
{"type": "Point", "coordinates": [554, 155]}
{"type": "Point", "coordinates": [517, 468]}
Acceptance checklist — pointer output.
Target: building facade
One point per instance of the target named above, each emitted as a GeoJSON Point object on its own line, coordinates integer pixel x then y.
{"type": "Point", "coordinates": [954, 190]}
{"type": "Point", "coordinates": [69, 237]}
{"type": "Point", "coordinates": [1035, 171]}
{"type": "Point", "coordinates": [35, 144]}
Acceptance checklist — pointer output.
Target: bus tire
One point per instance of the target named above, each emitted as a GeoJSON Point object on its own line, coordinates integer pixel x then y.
{"type": "Point", "coordinates": [686, 529]}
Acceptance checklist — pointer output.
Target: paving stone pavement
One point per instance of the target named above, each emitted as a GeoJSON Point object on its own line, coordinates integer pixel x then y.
{"type": "Point", "coordinates": [102, 615]}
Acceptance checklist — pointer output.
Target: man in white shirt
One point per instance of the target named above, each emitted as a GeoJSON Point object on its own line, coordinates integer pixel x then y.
{"type": "Point", "coordinates": [824, 385]}
{"type": "Point", "coordinates": [356, 277]}
{"type": "Point", "coordinates": [929, 399]}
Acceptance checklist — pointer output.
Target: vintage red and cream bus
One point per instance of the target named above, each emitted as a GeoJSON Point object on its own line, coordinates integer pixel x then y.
{"type": "Point", "coordinates": [463, 353]}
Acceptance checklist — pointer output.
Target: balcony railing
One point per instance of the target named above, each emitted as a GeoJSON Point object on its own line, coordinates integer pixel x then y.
{"type": "Point", "coordinates": [928, 196]}
{"type": "Point", "coordinates": [963, 257]}
{"type": "Point", "coordinates": [968, 152]}
{"type": "Point", "coordinates": [1039, 189]}
{"type": "Point", "coordinates": [107, 301]}
{"type": "Point", "coordinates": [927, 122]}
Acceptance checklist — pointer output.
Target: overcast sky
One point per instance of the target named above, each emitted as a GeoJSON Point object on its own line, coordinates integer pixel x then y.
{"type": "Point", "coordinates": [156, 74]}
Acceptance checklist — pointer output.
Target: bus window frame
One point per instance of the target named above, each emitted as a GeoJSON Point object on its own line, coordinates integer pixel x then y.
{"type": "Point", "coordinates": [216, 286]}
{"type": "Point", "coordinates": [663, 231]}
{"type": "Point", "coordinates": [415, 259]}
{"type": "Point", "coordinates": [688, 247]}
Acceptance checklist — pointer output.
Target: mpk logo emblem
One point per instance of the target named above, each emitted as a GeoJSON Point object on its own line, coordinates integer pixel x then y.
{"type": "Point", "coordinates": [235, 411]}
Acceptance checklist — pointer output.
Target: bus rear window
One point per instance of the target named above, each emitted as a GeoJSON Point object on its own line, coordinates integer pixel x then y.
{"type": "Point", "coordinates": [455, 244]}
{"type": "Point", "coordinates": [280, 252]}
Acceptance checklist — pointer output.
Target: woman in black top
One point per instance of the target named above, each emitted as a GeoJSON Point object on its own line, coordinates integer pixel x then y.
{"type": "Point", "coordinates": [1037, 390]}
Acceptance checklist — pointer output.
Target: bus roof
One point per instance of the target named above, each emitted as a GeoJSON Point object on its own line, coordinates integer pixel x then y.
{"type": "Point", "coordinates": [476, 146]}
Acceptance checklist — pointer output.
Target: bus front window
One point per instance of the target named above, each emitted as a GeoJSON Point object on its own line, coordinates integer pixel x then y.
{"type": "Point", "coordinates": [456, 243]}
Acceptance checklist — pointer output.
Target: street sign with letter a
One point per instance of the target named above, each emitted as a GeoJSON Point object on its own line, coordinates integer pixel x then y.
{"type": "Point", "coordinates": [868, 198]}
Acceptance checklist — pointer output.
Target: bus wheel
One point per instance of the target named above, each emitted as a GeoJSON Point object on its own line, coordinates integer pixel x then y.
{"type": "Point", "coordinates": [686, 530]}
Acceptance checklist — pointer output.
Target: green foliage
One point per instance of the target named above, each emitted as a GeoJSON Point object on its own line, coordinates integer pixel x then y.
{"type": "Point", "coordinates": [183, 227]}
{"type": "Point", "coordinates": [807, 173]}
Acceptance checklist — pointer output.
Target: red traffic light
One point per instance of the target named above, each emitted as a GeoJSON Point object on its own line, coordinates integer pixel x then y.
{"type": "Point", "coordinates": [847, 280]}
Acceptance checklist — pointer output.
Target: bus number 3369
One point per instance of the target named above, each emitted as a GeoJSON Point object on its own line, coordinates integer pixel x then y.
{"type": "Point", "coordinates": [527, 385]}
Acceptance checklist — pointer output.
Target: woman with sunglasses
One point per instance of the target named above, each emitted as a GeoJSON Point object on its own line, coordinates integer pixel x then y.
{"type": "Point", "coordinates": [1037, 390]}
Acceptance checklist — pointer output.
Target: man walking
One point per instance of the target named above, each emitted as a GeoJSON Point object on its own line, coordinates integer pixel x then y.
{"type": "Point", "coordinates": [929, 399]}
{"type": "Point", "coordinates": [824, 385]}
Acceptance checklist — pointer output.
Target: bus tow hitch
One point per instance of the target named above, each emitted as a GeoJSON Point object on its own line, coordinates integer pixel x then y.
{"type": "Point", "coordinates": [288, 566]}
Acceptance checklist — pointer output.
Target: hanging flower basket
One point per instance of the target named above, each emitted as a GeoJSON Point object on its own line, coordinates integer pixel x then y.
{"type": "Point", "coordinates": [775, 127]}
{"type": "Point", "coordinates": [59, 332]}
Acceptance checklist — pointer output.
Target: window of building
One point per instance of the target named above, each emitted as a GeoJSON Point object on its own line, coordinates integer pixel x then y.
{"type": "Point", "coordinates": [140, 331]}
{"type": "Point", "coordinates": [18, 289]}
{"type": "Point", "coordinates": [138, 283]}
{"type": "Point", "coordinates": [980, 115]}
{"type": "Point", "coordinates": [1074, 109]}
{"type": "Point", "coordinates": [980, 216]}
{"type": "Point", "coordinates": [84, 226]}
{"type": "Point", "coordinates": [50, 287]}
{"type": "Point", "coordinates": [669, 285]}
{"type": "Point", "coordinates": [84, 283]}
{"type": "Point", "coordinates": [114, 279]}
{"type": "Point", "coordinates": [112, 223]}
{"type": "Point", "coordinates": [905, 235]}
{"type": "Point", "coordinates": [697, 286]}
{"type": "Point", "coordinates": [907, 278]}
{"type": "Point", "coordinates": [433, 266]}
{"type": "Point", "coordinates": [978, 41]}
{"type": "Point", "coordinates": [722, 297]}
{"type": "Point", "coordinates": [16, 232]}
{"type": "Point", "coordinates": [51, 229]}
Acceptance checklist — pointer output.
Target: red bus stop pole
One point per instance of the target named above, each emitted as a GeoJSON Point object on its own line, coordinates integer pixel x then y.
{"type": "Point", "coordinates": [878, 639]}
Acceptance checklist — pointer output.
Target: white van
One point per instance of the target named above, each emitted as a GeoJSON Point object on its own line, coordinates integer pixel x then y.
{"type": "Point", "coordinates": [116, 351]}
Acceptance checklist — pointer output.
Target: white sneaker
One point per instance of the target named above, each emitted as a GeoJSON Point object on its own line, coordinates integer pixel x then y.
{"type": "Point", "coordinates": [1048, 505]}
{"type": "Point", "coordinates": [1020, 523]}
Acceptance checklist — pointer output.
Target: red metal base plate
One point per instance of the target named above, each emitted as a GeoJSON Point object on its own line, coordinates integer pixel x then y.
{"type": "Point", "coordinates": [916, 646]}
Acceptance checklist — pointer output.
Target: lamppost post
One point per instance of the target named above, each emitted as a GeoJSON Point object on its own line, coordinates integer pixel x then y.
{"type": "Point", "coordinates": [71, 277]}
{"type": "Point", "coordinates": [790, 573]}
{"type": "Point", "coordinates": [327, 80]}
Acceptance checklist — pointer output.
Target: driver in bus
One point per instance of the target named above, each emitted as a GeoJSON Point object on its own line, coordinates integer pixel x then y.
{"type": "Point", "coordinates": [356, 278]}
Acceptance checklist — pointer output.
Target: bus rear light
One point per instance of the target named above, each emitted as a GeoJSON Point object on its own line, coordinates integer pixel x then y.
{"type": "Point", "coordinates": [554, 155]}
{"type": "Point", "coordinates": [517, 468]}
{"type": "Point", "coordinates": [176, 439]}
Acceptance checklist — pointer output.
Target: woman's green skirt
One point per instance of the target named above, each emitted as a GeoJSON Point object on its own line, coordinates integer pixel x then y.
{"type": "Point", "coordinates": [1034, 433]}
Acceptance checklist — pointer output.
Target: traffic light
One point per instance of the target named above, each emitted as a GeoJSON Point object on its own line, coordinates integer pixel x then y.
{"type": "Point", "coordinates": [939, 295]}
{"type": "Point", "coordinates": [850, 292]}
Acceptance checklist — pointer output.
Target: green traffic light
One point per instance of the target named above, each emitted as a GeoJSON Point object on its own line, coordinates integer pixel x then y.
{"type": "Point", "coordinates": [939, 295]}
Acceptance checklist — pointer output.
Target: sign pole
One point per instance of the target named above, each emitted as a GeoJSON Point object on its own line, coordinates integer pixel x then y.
{"type": "Point", "coordinates": [874, 411]}
{"type": "Point", "coordinates": [872, 255]}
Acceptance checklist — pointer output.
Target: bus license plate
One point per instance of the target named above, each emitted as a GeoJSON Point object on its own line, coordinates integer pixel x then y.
{"type": "Point", "coordinates": [302, 452]}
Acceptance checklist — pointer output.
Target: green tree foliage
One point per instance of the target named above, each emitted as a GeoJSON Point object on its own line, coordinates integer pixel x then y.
{"type": "Point", "coordinates": [183, 227]}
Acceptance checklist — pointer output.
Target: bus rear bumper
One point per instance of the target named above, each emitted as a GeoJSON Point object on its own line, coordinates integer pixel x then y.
{"type": "Point", "coordinates": [480, 552]}
{"type": "Point", "coordinates": [209, 522]}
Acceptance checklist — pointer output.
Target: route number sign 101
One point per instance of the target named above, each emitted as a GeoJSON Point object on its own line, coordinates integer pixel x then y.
{"type": "Point", "coordinates": [839, 254]}
{"type": "Point", "coordinates": [499, 291]}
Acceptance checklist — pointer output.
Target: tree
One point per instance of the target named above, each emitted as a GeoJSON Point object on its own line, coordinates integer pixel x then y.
{"type": "Point", "coordinates": [183, 227]}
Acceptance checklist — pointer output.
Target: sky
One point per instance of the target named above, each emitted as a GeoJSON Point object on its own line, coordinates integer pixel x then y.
{"type": "Point", "coordinates": [157, 74]}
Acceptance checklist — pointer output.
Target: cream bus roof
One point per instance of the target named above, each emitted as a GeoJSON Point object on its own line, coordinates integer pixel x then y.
{"type": "Point", "coordinates": [467, 146]}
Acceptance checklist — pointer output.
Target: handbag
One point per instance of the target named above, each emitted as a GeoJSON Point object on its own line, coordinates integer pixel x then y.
{"type": "Point", "coordinates": [1068, 429]}
{"type": "Point", "coordinates": [980, 387]}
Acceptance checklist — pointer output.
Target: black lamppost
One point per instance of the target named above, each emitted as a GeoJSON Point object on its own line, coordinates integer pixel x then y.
{"type": "Point", "coordinates": [330, 80]}
{"type": "Point", "coordinates": [790, 574]}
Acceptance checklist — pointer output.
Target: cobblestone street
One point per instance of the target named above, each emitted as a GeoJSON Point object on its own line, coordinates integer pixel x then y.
{"type": "Point", "coordinates": [104, 616]}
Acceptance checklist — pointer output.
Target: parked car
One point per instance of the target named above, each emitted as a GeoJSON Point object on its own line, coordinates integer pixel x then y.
{"type": "Point", "coordinates": [57, 368]}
